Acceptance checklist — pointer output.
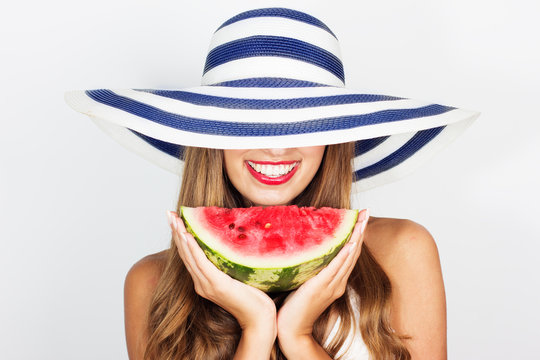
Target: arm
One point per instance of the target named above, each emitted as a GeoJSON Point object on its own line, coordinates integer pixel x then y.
{"type": "Point", "coordinates": [411, 261]}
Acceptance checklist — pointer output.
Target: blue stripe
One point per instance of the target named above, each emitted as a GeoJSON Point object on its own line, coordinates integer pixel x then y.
{"type": "Point", "coordinates": [267, 104]}
{"type": "Point", "coordinates": [172, 149]}
{"type": "Point", "coordinates": [262, 45]}
{"type": "Point", "coordinates": [418, 141]}
{"type": "Point", "coordinates": [224, 128]}
{"type": "Point", "coordinates": [278, 12]}
{"type": "Point", "coordinates": [363, 146]}
{"type": "Point", "coordinates": [269, 82]}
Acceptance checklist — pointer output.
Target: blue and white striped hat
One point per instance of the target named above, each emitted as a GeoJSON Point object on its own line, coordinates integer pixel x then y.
{"type": "Point", "coordinates": [273, 78]}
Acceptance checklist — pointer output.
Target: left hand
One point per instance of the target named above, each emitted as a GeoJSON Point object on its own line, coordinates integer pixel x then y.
{"type": "Point", "coordinates": [303, 306]}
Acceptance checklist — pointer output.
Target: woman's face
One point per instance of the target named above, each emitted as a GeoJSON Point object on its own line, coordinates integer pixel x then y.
{"type": "Point", "coordinates": [272, 176]}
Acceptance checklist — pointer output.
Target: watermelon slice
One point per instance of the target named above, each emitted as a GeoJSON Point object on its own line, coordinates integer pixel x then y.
{"type": "Point", "coordinates": [276, 248]}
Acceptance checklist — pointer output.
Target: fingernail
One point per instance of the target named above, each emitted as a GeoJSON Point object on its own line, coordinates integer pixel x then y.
{"type": "Point", "coordinates": [171, 220]}
{"type": "Point", "coordinates": [351, 247]}
{"type": "Point", "coordinates": [364, 223]}
{"type": "Point", "coordinates": [183, 235]}
{"type": "Point", "coordinates": [177, 224]}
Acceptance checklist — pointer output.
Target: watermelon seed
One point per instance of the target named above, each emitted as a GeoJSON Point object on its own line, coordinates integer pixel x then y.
{"type": "Point", "coordinates": [242, 236]}
{"type": "Point", "coordinates": [241, 229]}
{"type": "Point", "coordinates": [231, 226]}
{"type": "Point", "coordinates": [267, 226]}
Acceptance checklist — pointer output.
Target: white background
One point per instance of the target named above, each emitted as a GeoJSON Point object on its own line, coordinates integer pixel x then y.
{"type": "Point", "coordinates": [77, 209]}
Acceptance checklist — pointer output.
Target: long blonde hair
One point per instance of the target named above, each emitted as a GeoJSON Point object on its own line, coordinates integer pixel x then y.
{"type": "Point", "coordinates": [183, 325]}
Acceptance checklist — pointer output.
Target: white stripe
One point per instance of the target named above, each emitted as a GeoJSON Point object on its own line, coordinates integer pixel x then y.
{"type": "Point", "coordinates": [379, 152]}
{"type": "Point", "coordinates": [261, 116]}
{"type": "Point", "coordinates": [270, 93]}
{"type": "Point", "coordinates": [277, 26]}
{"type": "Point", "coordinates": [270, 66]}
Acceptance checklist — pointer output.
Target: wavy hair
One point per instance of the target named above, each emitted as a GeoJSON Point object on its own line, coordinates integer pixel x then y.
{"type": "Point", "coordinates": [183, 325]}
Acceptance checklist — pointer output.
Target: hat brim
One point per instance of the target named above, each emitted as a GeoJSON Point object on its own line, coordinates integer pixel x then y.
{"type": "Point", "coordinates": [393, 135]}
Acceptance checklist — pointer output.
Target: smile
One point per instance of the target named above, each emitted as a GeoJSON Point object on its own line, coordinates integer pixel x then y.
{"type": "Point", "coordinates": [272, 173]}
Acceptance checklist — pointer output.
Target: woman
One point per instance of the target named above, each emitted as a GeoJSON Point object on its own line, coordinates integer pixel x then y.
{"type": "Point", "coordinates": [272, 92]}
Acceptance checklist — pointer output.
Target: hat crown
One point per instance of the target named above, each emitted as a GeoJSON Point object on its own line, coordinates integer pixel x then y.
{"type": "Point", "coordinates": [265, 47]}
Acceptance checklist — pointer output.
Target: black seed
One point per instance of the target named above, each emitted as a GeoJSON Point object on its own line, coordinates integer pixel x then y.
{"type": "Point", "coordinates": [231, 226]}
{"type": "Point", "coordinates": [241, 229]}
{"type": "Point", "coordinates": [242, 236]}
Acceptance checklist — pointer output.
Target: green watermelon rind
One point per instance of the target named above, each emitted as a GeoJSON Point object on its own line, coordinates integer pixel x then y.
{"type": "Point", "coordinates": [271, 279]}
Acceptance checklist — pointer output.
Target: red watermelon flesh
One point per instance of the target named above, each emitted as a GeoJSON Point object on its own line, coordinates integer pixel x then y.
{"type": "Point", "coordinates": [272, 231]}
{"type": "Point", "coordinates": [275, 248]}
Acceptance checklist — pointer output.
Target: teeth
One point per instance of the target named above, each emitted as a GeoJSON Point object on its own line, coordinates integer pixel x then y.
{"type": "Point", "coordinates": [272, 170]}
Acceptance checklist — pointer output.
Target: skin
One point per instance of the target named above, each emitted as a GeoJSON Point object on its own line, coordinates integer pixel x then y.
{"type": "Point", "coordinates": [262, 194]}
{"type": "Point", "coordinates": [404, 249]}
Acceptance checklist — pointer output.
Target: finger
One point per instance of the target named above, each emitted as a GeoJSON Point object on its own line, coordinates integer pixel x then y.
{"type": "Point", "coordinates": [181, 226]}
{"type": "Point", "coordinates": [201, 261]}
{"type": "Point", "coordinates": [176, 236]}
{"type": "Point", "coordinates": [188, 253]}
{"type": "Point", "coordinates": [184, 252]}
{"type": "Point", "coordinates": [350, 262]}
{"type": "Point", "coordinates": [343, 273]}
{"type": "Point", "coordinates": [360, 226]}
{"type": "Point", "coordinates": [204, 266]}
{"type": "Point", "coordinates": [360, 240]}
{"type": "Point", "coordinates": [329, 272]}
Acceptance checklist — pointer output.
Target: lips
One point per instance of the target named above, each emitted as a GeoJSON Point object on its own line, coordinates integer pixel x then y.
{"type": "Point", "coordinates": [272, 172]}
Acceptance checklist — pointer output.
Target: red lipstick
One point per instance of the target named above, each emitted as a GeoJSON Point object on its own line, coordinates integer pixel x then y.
{"type": "Point", "coordinates": [267, 180]}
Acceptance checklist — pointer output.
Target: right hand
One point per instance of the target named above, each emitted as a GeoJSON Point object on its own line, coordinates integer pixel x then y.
{"type": "Point", "coordinates": [253, 309]}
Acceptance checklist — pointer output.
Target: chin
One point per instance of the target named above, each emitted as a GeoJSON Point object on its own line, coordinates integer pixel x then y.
{"type": "Point", "coordinates": [270, 201]}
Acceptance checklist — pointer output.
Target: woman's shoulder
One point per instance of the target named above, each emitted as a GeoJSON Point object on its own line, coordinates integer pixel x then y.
{"type": "Point", "coordinates": [398, 242]}
{"type": "Point", "coordinates": [408, 254]}
{"type": "Point", "coordinates": [144, 275]}
{"type": "Point", "coordinates": [139, 286]}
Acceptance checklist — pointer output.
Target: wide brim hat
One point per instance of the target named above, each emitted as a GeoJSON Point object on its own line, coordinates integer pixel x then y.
{"type": "Point", "coordinates": [274, 78]}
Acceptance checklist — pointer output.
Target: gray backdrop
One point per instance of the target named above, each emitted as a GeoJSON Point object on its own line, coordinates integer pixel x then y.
{"type": "Point", "coordinates": [77, 209]}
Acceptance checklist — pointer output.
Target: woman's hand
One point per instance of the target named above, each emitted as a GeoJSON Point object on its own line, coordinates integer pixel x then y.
{"type": "Point", "coordinates": [303, 306]}
{"type": "Point", "coordinates": [253, 309]}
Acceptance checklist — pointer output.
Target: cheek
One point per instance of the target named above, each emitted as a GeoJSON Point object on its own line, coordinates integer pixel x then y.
{"type": "Point", "coordinates": [315, 155]}
{"type": "Point", "coordinates": [233, 164]}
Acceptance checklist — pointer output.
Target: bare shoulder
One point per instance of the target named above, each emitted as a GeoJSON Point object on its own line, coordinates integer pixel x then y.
{"type": "Point", "coordinates": [139, 286]}
{"type": "Point", "coordinates": [147, 271]}
{"type": "Point", "coordinates": [408, 254]}
{"type": "Point", "coordinates": [405, 249]}
{"type": "Point", "coordinates": [142, 279]}
{"type": "Point", "coordinates": [393, 240]}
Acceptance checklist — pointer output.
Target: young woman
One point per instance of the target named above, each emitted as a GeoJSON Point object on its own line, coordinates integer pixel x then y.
{"type": "Point", "coordinates": [273, 92]}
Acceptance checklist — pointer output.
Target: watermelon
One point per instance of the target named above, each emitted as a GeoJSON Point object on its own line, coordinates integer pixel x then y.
{"type": "Point", "coordinates": [276, 248]}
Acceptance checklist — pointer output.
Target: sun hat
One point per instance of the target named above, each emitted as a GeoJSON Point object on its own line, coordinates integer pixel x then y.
{"type": "Point", "coordinates": [274, 78]}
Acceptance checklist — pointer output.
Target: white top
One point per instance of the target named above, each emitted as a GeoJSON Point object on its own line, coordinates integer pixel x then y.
{"type": "Point", "coordinates": [354, 347]}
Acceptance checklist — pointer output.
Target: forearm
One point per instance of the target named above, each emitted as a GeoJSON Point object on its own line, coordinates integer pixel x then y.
{"type": "Point", "coordinates": [304, 347]}
{"type": "Point", "coordinates": [255, 344]}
